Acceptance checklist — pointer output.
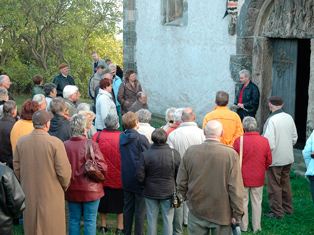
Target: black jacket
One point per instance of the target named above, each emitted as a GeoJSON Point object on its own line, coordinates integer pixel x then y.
{"type": "Point", "coordinates": [250, 100]}
{"type": "Point", "coordinates": [61, 82]}
{"type": "Point", "coordinates": [11, 199]}
{"type": "Point", "coordinates": [158, 172]}
{"type": "Point", "coordinates": [6, 125]}
{"type": "Point", "coordinates": [60, 127]}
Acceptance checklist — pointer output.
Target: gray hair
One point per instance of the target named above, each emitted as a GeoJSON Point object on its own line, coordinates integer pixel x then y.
{"type": "Point", "coordinates": [187, 114]}
{"type": "Point", "coordinates": [9, 107]}
{"type": "Point", "coordinates": [2, 78]}
{"type": "Point", "coordinates": [139, 95]}
{"type": "Point", "coordinates": [177, 115]}
{"type": "Point", "coordinates": [69, 90]}
{"type": "Point", "coordinates": [111, 121]}
{"type": "Point", "coordinates": [57, 106]}
{"type": "Point", "coordinates": [39, 126]}
{"type": "Point", "coordinates": [112, 65]}
{"type": "Point", "coordinates": [83, 107]}
{"type": "Point", "coordinates": [144, 115]}
{"type": "Point", "coordinates": [249, 124]}
{"type": "Point", "coordinates": [213, 128]}
{"type": "Point", "coordinates": [77, 123]}
{"type": "Point", "coordinates": [3, 93]}
{"type": "Point", "coordinates": [39, 98]}
{"type": "Point", "coordinates": [245, 72]}
{"type": "Point", "coordinates": [169, 114]}
{"type": "Point", "coordinates": [49, 87]}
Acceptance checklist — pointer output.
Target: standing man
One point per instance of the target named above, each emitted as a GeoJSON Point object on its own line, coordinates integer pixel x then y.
{"type": "Point", "coordinates": [71, 95]}
{"type": "Point", "coordinates": [119, 70]}
{"type": "Point", "coordinates": [247, 100]}
{"type": "Point", "coordinates": [181, 139]}
{"type": "Point", "coordinates": [230, 120]}
{"type": "Point", "coordinates": [210, 180]}
{"type": "Point", "coordinates": [281, 133]}
{"type": "Point", "coordinates": [41, 164]}
{"type": "Point", "coordinates": [97, 62]}
{"type": "Point", "coordinates": [140, 103]}
{"type": "Point", "coordinates": [63, 79]}
{"type": "Point", "coordinates": [95, 80]}
{"type": "Point", "coordinates": [6, 83]}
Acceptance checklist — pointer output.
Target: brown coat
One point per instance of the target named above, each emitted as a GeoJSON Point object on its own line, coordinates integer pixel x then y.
{"type": "Point", "coordinates": [127, 94]}
{"type": "Point", "coordinates": [41, 164]}
{"type": "Point", "coordinates": [210, 178]}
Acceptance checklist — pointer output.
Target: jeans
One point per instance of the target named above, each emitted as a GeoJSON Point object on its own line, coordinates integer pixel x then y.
{"type": "Point", "coordinates": [86, 209]}
{"type": "Point", "coordinates": [134, 203]}
{"type": "Point", "coordinates": [312, 186]}
{"type": "Point", "coordinates": [152, 206]}
{"type": "Point", "coordinates": [178, 221]}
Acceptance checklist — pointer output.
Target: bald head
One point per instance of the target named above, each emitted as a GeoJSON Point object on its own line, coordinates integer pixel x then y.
{"type": "Point", "coordinates": [188, 115]}
{"type": "Point", "coordinates": [213, 129]}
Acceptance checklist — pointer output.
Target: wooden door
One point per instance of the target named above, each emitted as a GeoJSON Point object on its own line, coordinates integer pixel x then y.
{"type": "Point", "coordinates": [285, 72]}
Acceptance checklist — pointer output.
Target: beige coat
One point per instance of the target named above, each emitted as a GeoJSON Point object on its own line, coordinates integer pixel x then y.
{"type": "Point", "coordinates": [210, 179]}
{"type": "Point", "coordinates": [41, 164]}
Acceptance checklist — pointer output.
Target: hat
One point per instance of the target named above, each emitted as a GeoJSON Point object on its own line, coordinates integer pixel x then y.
{"type": "Point", "coordinates": [41, 117]}
{"type": "Point", "coordinates": [105, 71]}
{"type": "Point", "coordinates": [61, 66]}
{"type": "Point", "coordinates": [276, 100]}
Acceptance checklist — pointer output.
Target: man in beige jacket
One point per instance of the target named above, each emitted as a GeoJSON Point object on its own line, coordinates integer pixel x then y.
{"type": "Point", "coordinates": [41, 164]}
{"type": "Point", "coordinates": [210, 180]}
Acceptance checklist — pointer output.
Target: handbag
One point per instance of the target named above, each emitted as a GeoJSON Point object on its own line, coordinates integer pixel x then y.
{"type": "Point", "coordinates": [176, 198]}
{"type": "Point", "coordinates": [91, 167]}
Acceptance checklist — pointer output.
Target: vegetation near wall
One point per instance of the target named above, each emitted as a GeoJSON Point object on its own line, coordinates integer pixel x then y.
{"type": "Point", "coordinates": [37, 35]}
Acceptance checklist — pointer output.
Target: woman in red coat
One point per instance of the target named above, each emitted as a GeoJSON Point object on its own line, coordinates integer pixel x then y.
{"type": "Point", "coordinates": [256, 160]}
{"type": "Point", "coordinates": [112, 202]}
{"type": "Point", "coordinates": [83, 194]}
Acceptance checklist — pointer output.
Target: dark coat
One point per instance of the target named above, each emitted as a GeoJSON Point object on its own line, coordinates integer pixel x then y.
{"type": "Point", "coordinates": [157, 171]}
{"type": "Point", "coordinates": [127, 95]}
{"type": "Point", "coordinates": [119, 72]}
{"type": "Point", "coordinates": [37, 89]}
{"type": "Point", "coordinates": [250, 99]}
{"type": "Point", "coordinates": [6, 155]}
{"type": "Point", "coordinates": [60, 127]}
{"type": "Point", "coordinates": [11, 199]}
{"type": "Point", "coordinates": [128, 146]}
{"type": "Point", "coordinates": [61, 82]}
{"type": "Point", "coordinates": [137, 105]}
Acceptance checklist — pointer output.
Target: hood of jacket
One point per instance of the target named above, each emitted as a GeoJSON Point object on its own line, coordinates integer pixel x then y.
{"type": "Point", "coordinates": [128, 136]}
{"type": "Point", "coordinates": [57, 122]}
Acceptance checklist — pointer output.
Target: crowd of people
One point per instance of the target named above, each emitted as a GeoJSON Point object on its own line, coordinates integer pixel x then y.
{"type": "Point", "coordinates": [216, 169]}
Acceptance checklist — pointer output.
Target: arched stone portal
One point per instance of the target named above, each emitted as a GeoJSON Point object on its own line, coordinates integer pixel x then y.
{"type": "Point", "coordinates": [260, 24]}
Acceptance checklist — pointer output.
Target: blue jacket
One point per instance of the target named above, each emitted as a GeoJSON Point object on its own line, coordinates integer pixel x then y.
{"type": "Point", "coordinates": [130, 158]}
{"type": "Point", "coordinates": [308, 149]}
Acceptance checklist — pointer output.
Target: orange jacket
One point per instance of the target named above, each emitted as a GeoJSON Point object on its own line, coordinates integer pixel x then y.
{"type": "Point", "coordinates": [231, 123]}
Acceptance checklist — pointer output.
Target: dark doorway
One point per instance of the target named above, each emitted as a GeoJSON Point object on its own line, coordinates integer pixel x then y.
{"type": "Point", "coordinates": [302, 86]}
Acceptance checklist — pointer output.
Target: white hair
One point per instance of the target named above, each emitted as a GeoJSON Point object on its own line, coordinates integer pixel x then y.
{"type": "Point", "coordinates": [83, 107]}
{"type": "Point", "coordinates": [39, 98]}
{"type": "Point", "coordinates": [2, 78]}
{"type": "Point", "coordinates": [112, 65]}
{"type": "Point", "coordinates": [213, 128]}
{"type": "Point", "coordinates": [69, 90]}
{"type": "Point", "coordinates": [177, 115]}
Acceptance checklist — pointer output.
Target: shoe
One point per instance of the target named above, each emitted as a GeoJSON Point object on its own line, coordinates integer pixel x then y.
{"type": "Point", "coordinates": [119, 231]}
{"type": "Point", "coordinates": [103, 229]}
{"type": "Point", "coordinates": [185, 225]}
{"type": "Point", "coordinates": [272, 216]}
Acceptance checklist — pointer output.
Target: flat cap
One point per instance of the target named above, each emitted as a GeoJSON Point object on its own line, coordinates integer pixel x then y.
{"type": "Point", "coordinates": [61, 66]}
{"type": "Point", "coordinates": [105, 71]}
{"type": "Point", "coordinates": [41, 117]}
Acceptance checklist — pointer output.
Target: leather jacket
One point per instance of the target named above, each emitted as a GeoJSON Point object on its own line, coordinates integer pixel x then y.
{"type": "Point", "coordinates": [11, 199]}
{"type": "Point", "coordinates": [250, 99]}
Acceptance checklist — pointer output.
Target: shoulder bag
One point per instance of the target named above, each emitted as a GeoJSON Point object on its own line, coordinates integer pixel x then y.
{"type": "Point", "coordinates": [91, 167]}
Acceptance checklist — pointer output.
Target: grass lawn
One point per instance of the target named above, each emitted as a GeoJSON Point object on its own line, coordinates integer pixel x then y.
{"type": "Point", "coordinates": [301, 222]}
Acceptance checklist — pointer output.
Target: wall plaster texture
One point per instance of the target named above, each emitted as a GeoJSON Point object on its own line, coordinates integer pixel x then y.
{"type": "Point", "coordinates": [184, 66]}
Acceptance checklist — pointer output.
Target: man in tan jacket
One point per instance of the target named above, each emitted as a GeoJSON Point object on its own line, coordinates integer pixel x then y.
{"type": "Point", "coordinates": [41, 164]}
{"type": "Point", "coordinates": [210, 180]}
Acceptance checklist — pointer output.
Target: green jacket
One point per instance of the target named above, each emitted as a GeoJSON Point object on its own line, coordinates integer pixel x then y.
{"type": "Point", "coordinates": [37, 89]}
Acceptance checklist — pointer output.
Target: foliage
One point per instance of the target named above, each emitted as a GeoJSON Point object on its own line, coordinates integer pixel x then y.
{"type": "Point", "coordinates": [37, 35]}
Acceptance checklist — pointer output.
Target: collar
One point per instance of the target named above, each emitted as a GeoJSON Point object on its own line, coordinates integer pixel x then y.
{"type": "Point", "coordinates": [8, 118]}
{"type": "Point", "coordinates": [212, 139]}
{"type": "Point", "coordinates": [183, 124]}
{"type": "Point", "coordinates": [220, 107]}
{"type": "Point", "coordinates": [78, 138]}
{"type": "Point", "coordinates": [276, 112]}
{"type": "Point", "coordinates": [107, 129]}
{"type": "Point", "coordinates": [156, 146]}
{"type": "Point", "coordinates": [251, 133]}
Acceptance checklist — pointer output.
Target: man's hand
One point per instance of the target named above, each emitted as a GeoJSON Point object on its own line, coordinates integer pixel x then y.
{"type": "Point", "coordinates": [240, 106]}
{"type": "Point", "coordinates": [233, 221]}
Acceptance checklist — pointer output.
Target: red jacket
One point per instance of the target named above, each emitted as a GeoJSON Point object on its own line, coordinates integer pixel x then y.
{"type": "Point", "coordinates": [81, 188]}
{"type": "Point", "coordinates": [256, 158]}
{"type": "Point", "coordinates": [108, 142]}
{"type": "Point", "coordinates": [172, 128]}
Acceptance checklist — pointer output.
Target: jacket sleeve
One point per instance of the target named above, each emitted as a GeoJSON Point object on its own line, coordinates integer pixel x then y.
{"type": "Point", "coordinates": [14, 194]}
{"type": "Point", "coordinates": [255, 98]}
{"type": "Point", "coordinates": [308, 149]}
{"type": "Point", "coordinates": [100, 159]}
{"type": "Point", "coordinates": [120, 96]}
{"type": "Point", "coordinates": [16, 163]}
{"type": "Point", "coordinates": [205, 122]}
{"type": "Point", "coordinates": [103, 106]}
{"type": "Point", "coordinates": [182, 178]}
{"type": "Point", "coordinates": [270, 135]}
{"type": "Point", "coordinates": [177, 162]}
{"type": "Point", "coordinates": [239, 129]}
{"type": "Point", "coordinates": [236, 145]}
{"type": "Point", "coordinates": [269, 157]}
{"type": "Point", "coordinates": [236, 190]}
{"type": "Point", "coordinates": [294, 134]}
{"type": "Point", "coordinates": [62, 165]}
{"type": "Point", "coordinates": [140, 171]}
{"type": "Point", "coordinates": [92, 87]}
{"type": "Point", "coordinates": [144, 143]}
